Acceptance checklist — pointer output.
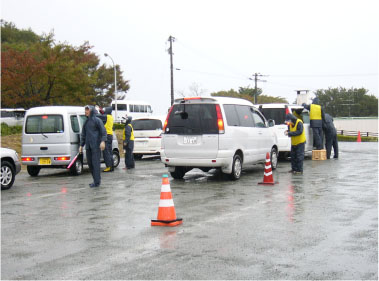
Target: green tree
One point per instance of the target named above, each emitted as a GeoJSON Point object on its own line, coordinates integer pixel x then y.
{"type": "Point", "coordinates": [36, 70]}
{"type": "Point", "coordinates": [342, 102]}
{"type": "Point", "coordinates": [248, 94]}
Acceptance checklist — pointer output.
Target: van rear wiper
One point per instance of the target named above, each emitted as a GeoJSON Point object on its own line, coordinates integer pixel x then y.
{"type": "Point", "coordinates": [44, 135]}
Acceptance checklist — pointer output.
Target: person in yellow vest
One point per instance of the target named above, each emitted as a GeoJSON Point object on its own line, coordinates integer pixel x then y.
{"type": "Point", "coordinates": [128, 144]}
{"type": "Point", "coordinates": [297, 134]}
{"type": "Point", "coordinates": [108, 154]}
{"type": "Point", "coordinates": [317, 117]}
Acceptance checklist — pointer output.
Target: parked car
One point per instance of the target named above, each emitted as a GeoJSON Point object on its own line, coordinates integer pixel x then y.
{"type": "Point", "coordinates": [50, 139]}
{"type": "Point", "coordinates": [10, 167]}
{"type": "Point", "coordinates": [277, 112]}
{"type": "Point", "coordinates": [147, 135]}
{"type": "Point", "coordinates": [215, 132]}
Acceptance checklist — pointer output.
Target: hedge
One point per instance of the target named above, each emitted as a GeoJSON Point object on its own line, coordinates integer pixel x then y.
{"type": "Point", "coordinates": [10, 130]}
{"type": "Point", "coordinates": [354, 138]}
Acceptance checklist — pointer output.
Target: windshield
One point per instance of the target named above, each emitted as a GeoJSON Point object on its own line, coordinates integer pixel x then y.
{"type": "Point", "coordinates": [42, 124]}
{"type": "Point", "coordinates": [147, 124]}
{"type": "Point", "coordinates": [192, 119]}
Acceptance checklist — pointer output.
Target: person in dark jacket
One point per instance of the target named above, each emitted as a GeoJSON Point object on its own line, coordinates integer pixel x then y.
{"type": "Point", "coordinates": [128, 144]}
{"type": "Point", "coordinates": [297, 134]}
{"type": "Point", "coordinates": [330, 136]}
{"type": "Point", "coordinates": [316, 115]}
{"type": "Point", "coordinates": [93, 136]}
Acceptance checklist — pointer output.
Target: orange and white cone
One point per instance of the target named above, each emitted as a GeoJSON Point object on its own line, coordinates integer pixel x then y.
{"type": "Point", "coordinates": [166, 210]}
{"type": "Point", "coordinates": [359, 137]}
{"type": "Point", "coordinates": [268, 178]}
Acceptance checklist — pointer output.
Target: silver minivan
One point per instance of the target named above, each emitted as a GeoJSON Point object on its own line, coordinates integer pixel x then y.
{"type": "Point", "coordinates": [51, 139]}
{"type": "Point", "coordinates": [216, 132]}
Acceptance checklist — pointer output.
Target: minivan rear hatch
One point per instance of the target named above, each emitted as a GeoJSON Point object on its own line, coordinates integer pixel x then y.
{"type": "Point", "coordinates": [192, 131]}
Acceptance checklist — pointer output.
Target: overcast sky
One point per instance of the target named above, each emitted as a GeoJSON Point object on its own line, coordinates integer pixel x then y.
{"type": "Point", "coordinates": [219, 44]}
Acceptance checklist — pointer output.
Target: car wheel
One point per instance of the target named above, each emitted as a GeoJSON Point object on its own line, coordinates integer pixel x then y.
{"type": "Point", "coordinates": [179, 173]}
{"type": "Point", "coordinates": [77, 168]}
{"type": "Point", "coordinates": [274, 158]}
{"type": "Point", "coordinates": [138, 156]}
{"type": "Point", "coordinates": [237, 167]}
{"type": "Point", "coordinates": [8, 175]}
{"type": "Point", "coordinates": [116, 158]}
{"type": "Point", "coordinates": [33, 171]}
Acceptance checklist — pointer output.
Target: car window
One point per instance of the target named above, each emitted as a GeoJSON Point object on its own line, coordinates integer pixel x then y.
{"type": "Point", "coordinates": [119, 107]}
{"type": "Point", "coordinates": [192, 119]}
{"type": "Point", "coordinates": [147, 124]}
{"type": "Point", "coordinates": [306, 119]}
{"type": "Point", "coordinates": [259, 121]}
{"type": "Point", "coordinates": [244, 116]}
{"type": "Point", "coordinates": [74, 123]}
{"type": "Point", "coordinates": [276, 114]}
{"type": "Point", "coordinates": [231, 115]}
{"type": "Point", "coordinates": [38, 124]}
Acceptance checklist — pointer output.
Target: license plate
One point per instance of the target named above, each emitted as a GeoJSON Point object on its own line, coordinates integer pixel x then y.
{"type": "Point", "coordinates": [45, 161]}
{"type": "Point", "coordinates": [190, 140]}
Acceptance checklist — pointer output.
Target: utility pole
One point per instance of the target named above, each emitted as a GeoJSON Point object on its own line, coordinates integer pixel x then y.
{"type": "Point", "coordinates": [171, 39]}
{"type": "Point", "coordinates": [256, 79]}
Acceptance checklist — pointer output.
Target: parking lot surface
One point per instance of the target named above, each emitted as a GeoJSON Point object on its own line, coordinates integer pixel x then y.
{"type": "Point", "coordinates": [319, 225]}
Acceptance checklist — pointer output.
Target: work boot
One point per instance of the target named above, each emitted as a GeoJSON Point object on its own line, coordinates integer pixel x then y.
{"type": "Point", "coordinates": [290, 171]}
{"type": "Point", "coordinates": [107, 169]}
{"type": "Point", "coordinates": [297, 173]}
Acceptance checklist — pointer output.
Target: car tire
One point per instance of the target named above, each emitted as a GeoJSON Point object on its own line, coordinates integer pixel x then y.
{"type": "Point", "coordinates": [274, 158]}
{"type": "Point", "coordinates": [77, 168]}
{"type": "Point", "coordinates": [236, 168]}
{"type": "Point", "coordinates": [138, 156]}
{"type": "Point", "coordinates": [8, 175]}
{"type": "Point", "coordinates": [179, 173]}
{"type": "Point", "coordinates": [116, 158]}
{"type": "Point", "coordinates": [33, 170]}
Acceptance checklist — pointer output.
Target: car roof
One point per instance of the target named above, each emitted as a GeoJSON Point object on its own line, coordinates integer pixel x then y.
{"type": "Point", "coordinates": [161, 117]}
{"type": "Point", "coordinates": [221, 100]}
{"type": "Point", "coordinates": [55, 110]}
{"type": "Point", "coordinates": [279, 105]}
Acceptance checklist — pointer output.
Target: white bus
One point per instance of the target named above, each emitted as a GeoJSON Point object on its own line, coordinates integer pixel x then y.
{"type": "Point", "coordinates": [131, 108]}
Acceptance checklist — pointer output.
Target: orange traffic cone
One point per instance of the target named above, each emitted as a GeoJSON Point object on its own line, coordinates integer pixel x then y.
{"type": "Point", "coordinates": [268, 178]}
{"type": "Point", "coordinates": [359, 136]}
{"type": "Point", "coordinates": [166, 210]}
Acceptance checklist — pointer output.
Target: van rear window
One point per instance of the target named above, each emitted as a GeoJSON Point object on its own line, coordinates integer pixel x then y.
{"type": "Point", "coordinates": [147, 124]}
{"type": "Point", "coordinates": [277, 114]}
{"type": "Point", "coordinates": [192, 119]}
{"type": "Point", "coordinates": [43, 124]}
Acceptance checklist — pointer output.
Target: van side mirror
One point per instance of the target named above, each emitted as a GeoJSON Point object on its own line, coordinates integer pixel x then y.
{"type": "Point", "coordinates": [271, 123]}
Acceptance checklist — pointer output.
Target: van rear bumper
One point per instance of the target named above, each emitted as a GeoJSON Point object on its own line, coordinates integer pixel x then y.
{"type": "Point", "coordinates": [35, 161]}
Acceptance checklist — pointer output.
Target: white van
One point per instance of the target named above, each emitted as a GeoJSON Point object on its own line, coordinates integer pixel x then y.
{"type": "Point", "coordinates": [51, 139]}
{"type": "Point", "coordinates": [12, 116]}
{"type": "Point", "coordinates": [215, 132]}
{"type": "Point", "coordinates": [147, 135]}
{"type": "Point", "coordinates": [277, 112]}
{"type": "Point", "coordinates": [131, 108]}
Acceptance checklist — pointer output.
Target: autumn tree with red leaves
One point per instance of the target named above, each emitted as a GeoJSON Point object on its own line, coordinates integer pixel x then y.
{"type": "Point", "coordinates": [38, 71]}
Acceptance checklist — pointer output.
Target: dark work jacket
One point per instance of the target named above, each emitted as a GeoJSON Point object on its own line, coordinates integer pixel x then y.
{"type": "Point", "coordinates": [93, 131]}
{"type": "Point", "coordinates": [329, 126]}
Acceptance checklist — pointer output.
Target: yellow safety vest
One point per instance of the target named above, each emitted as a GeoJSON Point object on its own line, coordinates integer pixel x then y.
{"type": "Point", "coordinates": [315, 112]}
{"type": "Point", "coordinates": [109, 125]}
{"type": "Point", "coordinates": [295, 140]}
{"type": "Point", "coordinates": [131, 135]}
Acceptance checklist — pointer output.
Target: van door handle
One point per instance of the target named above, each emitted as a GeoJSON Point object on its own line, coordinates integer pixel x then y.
{"type": "Point", "coordinates": [43, 148]}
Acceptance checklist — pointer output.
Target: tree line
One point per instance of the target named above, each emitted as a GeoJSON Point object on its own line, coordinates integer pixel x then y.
{"type": "Point", "coordinates": [37, 70]}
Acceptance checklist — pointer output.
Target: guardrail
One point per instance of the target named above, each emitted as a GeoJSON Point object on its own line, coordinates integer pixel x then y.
{"type": "Point", "coordinates": [355, 133]}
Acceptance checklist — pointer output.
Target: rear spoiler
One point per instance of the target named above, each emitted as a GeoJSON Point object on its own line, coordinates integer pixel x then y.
{"type": "Point", "coordinates": [183, 100]}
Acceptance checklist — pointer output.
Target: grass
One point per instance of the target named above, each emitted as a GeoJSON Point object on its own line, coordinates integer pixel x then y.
{"type": "Point", "coordinates": [354, 138]}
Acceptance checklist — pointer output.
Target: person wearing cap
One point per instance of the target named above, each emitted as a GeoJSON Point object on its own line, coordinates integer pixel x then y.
{"type": "Point", "coordinates": [128, 144]}
{"type": "Point", "coordinates": [93, 136]}
{"type": "Point", "coordinates": [316, 115]}
{"type": "Point", "coordinates": [297, 134]}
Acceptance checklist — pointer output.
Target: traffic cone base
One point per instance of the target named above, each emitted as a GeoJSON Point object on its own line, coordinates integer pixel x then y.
{"type": "Point", "coordinates": [166, 211]}
{"type": "Point", "coordinates": [268, 178]}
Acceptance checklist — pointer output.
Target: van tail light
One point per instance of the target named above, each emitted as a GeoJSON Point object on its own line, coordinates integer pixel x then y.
{"type": "Point", "coordinates": [220, 121]}
{"type": "Point", "coordinates": [64, 158]}
{"type": "Point", "coordinates": [159, 137]}
{"type": "Point", "coordinates": [288, 110]}
{"type": "Point", "coordinates": [27, 159]}
{"type": "Point", "coordinates": [193, 98]}
{"type": "Point", "coordinates": [166, 121]}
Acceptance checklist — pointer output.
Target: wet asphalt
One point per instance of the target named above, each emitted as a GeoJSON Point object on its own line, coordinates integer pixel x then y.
{"type": "Point", "coordinates": [319, 225]}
